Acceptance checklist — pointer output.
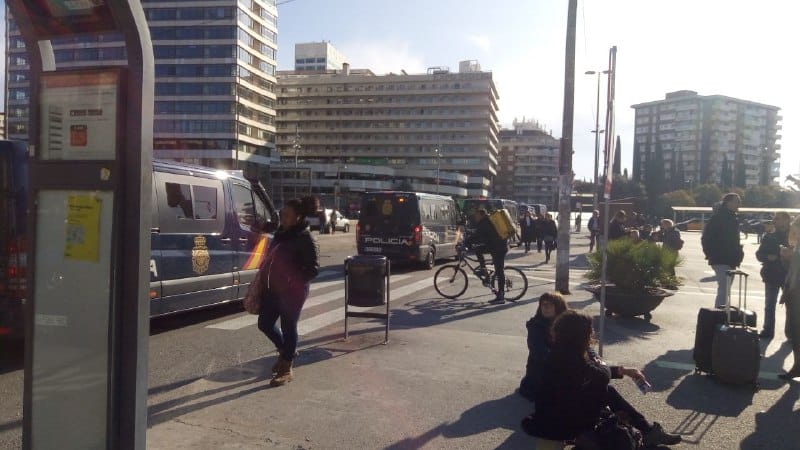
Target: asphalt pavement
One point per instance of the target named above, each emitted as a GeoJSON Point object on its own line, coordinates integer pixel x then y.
{"type": "Point", "coordinates": [447, 377]}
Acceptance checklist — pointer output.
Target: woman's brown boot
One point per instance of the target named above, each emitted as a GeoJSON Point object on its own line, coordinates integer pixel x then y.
{"type": "Point", "coordinates": [283, 373]}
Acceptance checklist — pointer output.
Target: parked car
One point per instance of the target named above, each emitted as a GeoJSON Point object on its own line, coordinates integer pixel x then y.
{"type": "Point", "coordinates": [342, 222]}
{"type": "Point", "coordinates": [313, 221]}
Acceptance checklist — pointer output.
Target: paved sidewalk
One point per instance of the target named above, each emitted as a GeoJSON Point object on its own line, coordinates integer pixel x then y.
{"type": "Point", "coordinates": [448, 377]}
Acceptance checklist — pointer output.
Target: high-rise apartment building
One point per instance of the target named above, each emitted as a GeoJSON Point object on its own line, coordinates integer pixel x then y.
{"type": "Point", "coordinates": [699, 135]}
{"type": "Point", "coordinates": [528, 168]}
{"type": "Point", "coordinates": [317, 56]}
{"type": "Point", "coordinates": [215, 79]}
{"type": "Point", "coordinates": [436, 131]}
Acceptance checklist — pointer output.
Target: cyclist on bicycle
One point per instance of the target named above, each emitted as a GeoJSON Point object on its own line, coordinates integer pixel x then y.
{"type": "Point", "coordinates": [486, 240]}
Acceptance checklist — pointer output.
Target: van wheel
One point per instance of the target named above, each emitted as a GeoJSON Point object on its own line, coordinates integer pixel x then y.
{"type": "Point", "coordinates": [430, 259]}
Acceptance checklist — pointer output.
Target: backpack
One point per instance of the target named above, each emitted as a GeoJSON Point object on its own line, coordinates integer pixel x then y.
{"type": "Point", "coordinates": [502, 223]}
{"type": "Point", "coordinates": [612, 434]}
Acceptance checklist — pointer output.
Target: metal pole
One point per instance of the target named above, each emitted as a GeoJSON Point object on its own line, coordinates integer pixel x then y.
{"type": "Point", "coordinates": [596, 145]}
{"type": "Point", "coordinates": [236, 124]}
{"type": "Point", "coordinates": [565, 162]}
{"type": "Point", "coordinates": [603, 273]}
{"type": "Point", "coordinates": [438, 164]}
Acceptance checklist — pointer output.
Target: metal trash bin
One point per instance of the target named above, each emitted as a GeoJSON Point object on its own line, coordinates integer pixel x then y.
{"type": "Point", "coordinates": [366, 280]}
{"type": "Point", "coordinates": [366, 285]}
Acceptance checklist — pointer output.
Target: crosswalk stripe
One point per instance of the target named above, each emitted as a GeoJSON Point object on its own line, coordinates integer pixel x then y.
{"type": "Point", "coordinates": [337, 315]}
{"type": "Point", "coordinates": [314, 300]}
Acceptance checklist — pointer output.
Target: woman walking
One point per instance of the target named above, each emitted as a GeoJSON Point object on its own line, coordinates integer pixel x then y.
{"type": "Point", "coordinates": [549, 233]}
{"type": "Point", "coordinates": [292, 262]}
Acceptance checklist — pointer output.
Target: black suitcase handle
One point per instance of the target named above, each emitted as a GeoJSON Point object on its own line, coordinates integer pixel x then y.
{"type": "Point", "coordinates": [732, 274]}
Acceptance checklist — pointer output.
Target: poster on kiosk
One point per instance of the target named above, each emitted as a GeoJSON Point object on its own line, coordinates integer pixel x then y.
{"type": "Point", "coordinates": [90, 154]}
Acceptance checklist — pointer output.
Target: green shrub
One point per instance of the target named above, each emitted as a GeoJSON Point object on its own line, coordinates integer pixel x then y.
{"type": "Point", "coordinates": [636, 267]}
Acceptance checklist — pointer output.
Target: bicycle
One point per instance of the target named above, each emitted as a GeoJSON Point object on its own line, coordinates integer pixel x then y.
{"type": "Point", "coordinates": [451, 281]}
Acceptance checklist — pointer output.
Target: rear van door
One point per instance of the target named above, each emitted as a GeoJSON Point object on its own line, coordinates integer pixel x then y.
{"type": "Point", "coordinates": [196, 250]}
{"type": "Point", "coordinates": [387, 224]}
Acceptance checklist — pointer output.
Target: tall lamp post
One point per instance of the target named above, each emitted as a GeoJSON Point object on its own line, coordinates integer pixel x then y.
{"type": "Point", "coordinates": [296, 147]}
{"type": "Point", "coordinates": [438, 152]}
{"type": "Point", "coordinates": [596, 132]}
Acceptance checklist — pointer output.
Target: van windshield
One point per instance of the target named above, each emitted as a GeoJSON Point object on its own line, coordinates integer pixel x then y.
{"type": "Point", "coordinates": [473, 204]}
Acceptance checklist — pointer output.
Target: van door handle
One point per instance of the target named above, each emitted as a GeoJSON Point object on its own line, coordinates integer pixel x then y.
{"type": "Point", "coordinates": [155, 230]}
{"type": "Point", "coordinates": [243, 240]}
{"type": "Point", "coordinates": [226, 240]}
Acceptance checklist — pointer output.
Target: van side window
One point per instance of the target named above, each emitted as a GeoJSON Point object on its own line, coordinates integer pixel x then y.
{"type": "Point", "coordinates": [179, 199]}
{"type": "Point", "coordinates": [205, 202]}
{"type": "Point", "coordinates": [244, 205]}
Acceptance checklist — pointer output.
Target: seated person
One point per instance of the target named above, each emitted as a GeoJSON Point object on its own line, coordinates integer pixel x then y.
{"type": "Point", "coordinates": [575, 389]}
{"type": "Point", "coordinates": [551, 304]}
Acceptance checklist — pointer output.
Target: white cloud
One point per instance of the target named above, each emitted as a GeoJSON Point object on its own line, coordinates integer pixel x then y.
{"type": "Point", "coordinates": [382, 56]}
{"type": "Point", "coordinates": [481, 41]}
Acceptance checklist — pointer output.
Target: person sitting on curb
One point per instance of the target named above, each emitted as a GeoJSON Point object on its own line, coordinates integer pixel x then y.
{"type": "Point", "coordinates": [575, 389]}
{"type": "Point", "coordinates": [551, 305]}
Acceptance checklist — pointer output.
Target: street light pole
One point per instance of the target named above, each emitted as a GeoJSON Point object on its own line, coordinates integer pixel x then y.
{"type": "Point", "coordinates": [438, 166]}
{"type": "Point", "coordinates": [296, 147]}
{"type": "Point", "coordinates": [596, 132]}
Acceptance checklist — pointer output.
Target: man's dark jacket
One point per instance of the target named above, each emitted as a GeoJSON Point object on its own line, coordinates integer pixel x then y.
{"type": "Point", "coordinates": [721, 238]}
{"type": "Point", "coordinates": [772, 272]}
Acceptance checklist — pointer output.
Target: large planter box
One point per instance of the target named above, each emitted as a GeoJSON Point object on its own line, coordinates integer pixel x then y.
{"type": "Point", "coordinates": [631, 304]}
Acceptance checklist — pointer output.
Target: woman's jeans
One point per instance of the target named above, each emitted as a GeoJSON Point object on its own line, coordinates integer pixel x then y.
{"type": "Point", "coordinates": [770, 300]}
{"type": "Point", "coordinates": [634, 417]}
{"type": "Point", "coordinates": [720, 270]}
{"type": "Point", "coordinates": [288, 311]}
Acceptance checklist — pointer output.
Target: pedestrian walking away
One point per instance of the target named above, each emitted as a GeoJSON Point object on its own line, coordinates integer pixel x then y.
{"type": "Point", "coordinates": [292, 261]}
{"type": "Point", "coordinates": [773, 269]}
{"type": "Point", "coordinates": [486, 239]}
{"type": "Point", "coordinates": [334, 219]}
{"type": "Point", "coordinates": [594, 229]}
{"type": "Point", "coordinates": [527, 230]}
{"type": "Point", "coordinates": [721, 244]}
{"type": "Point", "coordinates": [791, 296]}
{"type": "Point", "coordinates": [575, 390]}
{"type": "Point", "coordinates": [549, 232]}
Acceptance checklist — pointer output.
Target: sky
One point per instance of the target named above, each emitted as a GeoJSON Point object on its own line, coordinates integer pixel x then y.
{"type": "Point", "coordinates": [725, 47]}
{"type": "Point", "coordinates": [735, 48]}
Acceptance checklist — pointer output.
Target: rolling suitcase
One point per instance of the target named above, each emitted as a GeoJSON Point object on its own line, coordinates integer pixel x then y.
{"type": "Point", "coordinates": [708, 320]}
{"type": "Point", "coordinates": [735, 350]}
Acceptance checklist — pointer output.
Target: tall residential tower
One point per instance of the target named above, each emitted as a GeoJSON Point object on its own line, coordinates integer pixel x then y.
{"type": "Point", "coordinates": [215, 79]}
{"type": "Point", "coordinates": [698, 136]}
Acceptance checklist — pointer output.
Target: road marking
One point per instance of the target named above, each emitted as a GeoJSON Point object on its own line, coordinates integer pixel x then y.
{"type": "Point", "coordinates": [250, 319]}
{"type": "Point", "coordinates": [337, 315]}
{"type": "Point", "coordinates": [764, 375]}
{"type": "Point", "coordinates": [328, 273]}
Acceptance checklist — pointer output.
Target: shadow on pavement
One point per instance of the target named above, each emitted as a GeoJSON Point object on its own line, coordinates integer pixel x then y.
{"type": "Point", "coordinates": [430, 312]}
{"type": "Point", "coordinates": [242, 380]}
{"type": "Point", "coordinates": [505, 413]}
{"type": "Point", "coordinates": [622, 329]}
{"type": "Point", "coordinates": [777, 427]}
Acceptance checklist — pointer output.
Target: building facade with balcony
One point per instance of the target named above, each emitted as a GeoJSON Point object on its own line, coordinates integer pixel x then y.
{"type": "Point", "coordinates": [698, 135]}
{"type": "Point", "coordinates": [528, 168]}
{"type": "Point", "coordinates": [215, 65]}
{"type": "Point", "coordinates": [436, 131]}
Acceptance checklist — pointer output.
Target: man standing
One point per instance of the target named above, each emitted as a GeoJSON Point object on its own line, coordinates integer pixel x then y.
{"type": "Point", "coordinates": [773, 272]}
{"type": "Point", "coordinates": [486, 236]}
{"type": "Point", "coordinates": [721, 243]}
{"type": "Point", "coordinates": [578, 222]}
{"type": "Point", "coordinates": [594, 229]}
{"type": "Point", "coordinates": [616, 228]}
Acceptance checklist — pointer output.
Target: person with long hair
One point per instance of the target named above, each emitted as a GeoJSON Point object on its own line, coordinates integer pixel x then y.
{"type": "Point", "coordinates": [575, 389]}
{"type": "Point", "coordinates": [791, 296]}
{"type": "Point", "coordinates": [551, 305]}
{"type": "Point", "coordinates": [291, 263]}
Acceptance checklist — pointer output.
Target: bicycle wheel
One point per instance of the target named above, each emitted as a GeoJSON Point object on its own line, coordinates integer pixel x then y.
{"type": "Point", "coordinates": [516, 283]}
{"type": "Point", "coordinates": [450, 281]}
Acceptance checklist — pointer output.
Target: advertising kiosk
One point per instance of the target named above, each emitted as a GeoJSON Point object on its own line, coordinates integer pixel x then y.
{"type": "Point", "coordinates": [90, 154]}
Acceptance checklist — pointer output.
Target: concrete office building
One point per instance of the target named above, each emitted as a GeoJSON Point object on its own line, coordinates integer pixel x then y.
{"type": "Point", "coordinates": [528, 168]}
{"type": "Point", "coordinates": [215, 79]}
{"type": "Point", "coordinates": [2, 125]}
{"type": "Point", "coordinates": [317, 56]}
{"type": "Point", "coordinates": [437, 131]}
{"type": "Point", "coordinates": [705, 132]}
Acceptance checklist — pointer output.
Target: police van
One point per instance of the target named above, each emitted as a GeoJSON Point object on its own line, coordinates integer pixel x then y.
{"type": "Point", "coordinates": [408, 226]}
{"type": "Point", "coordinates": [208, 236]}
